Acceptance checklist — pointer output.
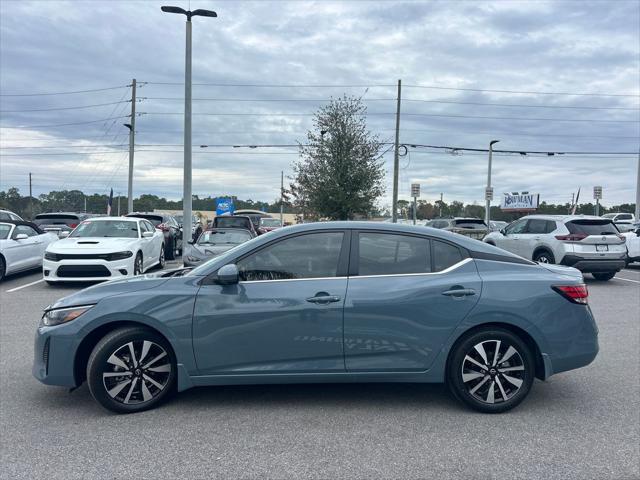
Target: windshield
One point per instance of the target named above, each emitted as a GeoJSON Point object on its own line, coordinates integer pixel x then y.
{"type": "Point", "coordinates": [592, 227]}
{"type": "Point", "coordinates": [154, 219]}
{"type": "Point", "coordinates": [224, 237]}
{"type": "Point", "coordinates": [270, 222]}
{"type": "Point", "coordinates": [106, 228]}
{"type": "Point", "coordinates": [475, 224]}
{"type": "Point", "coordinates": [5, 228]}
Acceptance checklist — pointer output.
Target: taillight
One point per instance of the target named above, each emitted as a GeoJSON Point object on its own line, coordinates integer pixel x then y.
{"type": "Point", "coordinates": [621, 237]}
{"type": "Point", "coordinates": [573, 237]}
{"type": "Point", "coordinates": [162, 226]}
{"type": "Point", "coordinates": [73, 225]}
{"type": "Point", "coordinates": [573, 293]}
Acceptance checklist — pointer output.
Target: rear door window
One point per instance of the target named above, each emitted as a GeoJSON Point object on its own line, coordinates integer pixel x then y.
{"type": "Point", "coordinates": [392, 254]}
{"type": "Point", "coordinates": [538, 226]}
{"type": "Point", "coordinates": [516, 227]}
{"type": "Point", "coordinates": [592, 227]}
{"type": "Point", "coordinates": [445, 255]}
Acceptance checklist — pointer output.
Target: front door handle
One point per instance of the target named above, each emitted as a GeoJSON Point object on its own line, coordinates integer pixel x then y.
{"type": "Point", "coordinates": [459, 292]}
{"type": "Point", "coordinates": [323, 298]}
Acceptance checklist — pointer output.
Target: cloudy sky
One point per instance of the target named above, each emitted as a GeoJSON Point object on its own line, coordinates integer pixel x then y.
{"type": "Point", "coordinates": [559, 76]}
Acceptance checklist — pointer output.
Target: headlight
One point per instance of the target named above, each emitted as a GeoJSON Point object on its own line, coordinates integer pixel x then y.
{"type": "Point", "coordinates": [51, 256]}
{"type": "Point", "coordinates": [193, 259]}
{"type": "Point", "coordinates": [119, 255]}
{"type": "Point", "coordinates": [63, 315]}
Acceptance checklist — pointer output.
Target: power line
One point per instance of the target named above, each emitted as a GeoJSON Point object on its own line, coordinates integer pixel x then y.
{"type": "Point", "coordinates": [273, 85]}
{"type": "Point", "coordinates": [65, 108]}
{"type": "Point", "coordinates": [294, 114]}
{"type": "Point", "coordinates": [452, 102]}
{"type": "Point", "coordinates": [61, 93]}
{"type": "Point", "coordinates": [434, 87]}
{"type": "Point", "coordinates": [65, 124]}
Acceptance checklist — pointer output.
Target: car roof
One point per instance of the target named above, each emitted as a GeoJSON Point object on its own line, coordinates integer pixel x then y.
{"type": "Point", "coordinates": [23, 222]}
{"type": "Point", "coordinates": [102, 219]}
{"type": "Point", "coordinates": [75, 214]}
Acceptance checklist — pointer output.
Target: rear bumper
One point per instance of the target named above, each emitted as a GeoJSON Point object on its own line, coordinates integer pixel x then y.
{"type": "Point", "coordinates": [590, 265]}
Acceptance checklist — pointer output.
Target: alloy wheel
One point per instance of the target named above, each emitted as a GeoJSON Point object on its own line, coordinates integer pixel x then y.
{"type": "Point", "coordinates": [137, 372]}
{"type": "Point", "coordinates": [137, 266]}
{"type": "Point", "coordinates": [493, 371]}
{"type": "Point", "coordinates": [162, 259]}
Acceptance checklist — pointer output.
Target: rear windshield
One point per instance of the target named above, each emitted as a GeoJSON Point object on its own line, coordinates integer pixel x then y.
{"type": "Point", "coordinates": [56, 216]}
{"type": "Point", "coordinates": [154, 219]}
{"type": "Point", "coordinates": [475, 224]}
{"type": "Point", "coordinates": [231, 222]}
{"type": "Point", "coordinates": [224, 237]}
{"type": "Point", "coordinates": [592, 227]}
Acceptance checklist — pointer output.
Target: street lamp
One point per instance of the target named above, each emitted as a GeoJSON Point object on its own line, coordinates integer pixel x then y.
{"type": "Point", "coordinates": [186, 195]}
{"type": "Point", "coordinates": [488, 194]}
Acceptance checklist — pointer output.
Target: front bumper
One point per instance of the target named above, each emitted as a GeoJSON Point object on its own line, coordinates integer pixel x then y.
{"type": "Point", "coordinates": [86, 270]}
{"type": "Point", "coordinates": [53, 357]}
{"type": "Point", "coordinates": [590, 265]}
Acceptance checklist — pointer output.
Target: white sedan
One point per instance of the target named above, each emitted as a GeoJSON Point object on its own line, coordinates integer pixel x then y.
{"type": "Point", "coordinates": [104, 248]}
{"type": "Point", "coordinates": [633, 242]}
{"type": "Point", "coordinates": [21, 246]}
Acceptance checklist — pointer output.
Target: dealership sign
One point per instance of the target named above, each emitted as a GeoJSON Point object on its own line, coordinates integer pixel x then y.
{"type": "Point", "coordinates": [525, 201]}
{"type": "Point", "coordinates": [225, 205]}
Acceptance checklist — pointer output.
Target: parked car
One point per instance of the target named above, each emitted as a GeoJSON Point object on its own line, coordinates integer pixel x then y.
{"type": "Point", "coordinates": [624, 221]}
{"type": "Point", "coordinates": [196, 225]}
{"type": "Point", "coordinates": [234, 221]}
{"type": "Point", "coordinates": [21, 246]}
{"type": "Point", "coordinates": [60, 223]}
{"type": "Point", "coordinates": [169, 227]}
{"type": "Point", "coordinates": [497, 225]}
{"type": "Point", "coordinates": [267, 224]}
{"type": "Point", "coordinates": [254, 215]}
{"type": "Point", "coordinates": [590, 244]}
{"type": "Point", "coordinates": [9, 215]}
{"type": "Point", "coordinates": [471, 227]}
{"type": "Point", "coordinates": [213, 243]}
{"type": "Point", "coordinates": [633, 243]}
{"type": "Point", "coordinates": [326, 302]}
{"type": "Point", "coordinates": [104, 248]}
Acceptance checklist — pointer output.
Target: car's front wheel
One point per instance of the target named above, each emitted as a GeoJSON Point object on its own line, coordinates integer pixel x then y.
{"type": "Point", "coordinates": [137, 265]}
{"type": "Point", "coordinates": [603, 277]}
{"type": "Point", "coordinates": [170, 250]}
{"type": "Point", "coordinates": [491, 370]}
{"type": "Point", "coordinates": [544, 256]}
{"type": "Point", "coordinates": [161, 261]}
{"type": "Point", "coordinates": [130, 370]}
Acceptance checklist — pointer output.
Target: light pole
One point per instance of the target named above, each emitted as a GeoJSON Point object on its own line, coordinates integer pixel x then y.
{"type": "Point", "coordinates": [186, 195]}
{"type": "Point", "coordinates": [488, 194]}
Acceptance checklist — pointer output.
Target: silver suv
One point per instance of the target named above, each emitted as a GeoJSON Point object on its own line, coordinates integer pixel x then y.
{"type": "Point", "coordinates": [590, 244]}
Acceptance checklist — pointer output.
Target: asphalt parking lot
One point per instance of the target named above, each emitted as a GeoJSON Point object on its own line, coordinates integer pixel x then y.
{"type": "Point", "coordinates": [583, 424]}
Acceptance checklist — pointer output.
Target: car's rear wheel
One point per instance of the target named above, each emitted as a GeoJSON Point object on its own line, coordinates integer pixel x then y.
{"type": "Point", "coordinates": [130, 370]}
{"type": "Point", "coordinates": [491, 370]}
{"type": "Point", "coordinates": [161, 260]}
{"type": "Point", "coordinates": [544, 256]}
{"type": "Point", "coordinates": [603, 277]}
{"type": "Point", "coordinates": [170, 250]}
{"type": "Point", "coordinates": [3, 268]}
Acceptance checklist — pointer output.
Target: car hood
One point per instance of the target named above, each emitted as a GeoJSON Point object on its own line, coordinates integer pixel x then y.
{"type": "Point", "coordinates": [91, 245]}
{"type": "Point", "coordinates": [212, 250]}
{"type": "Point", "coordinates": [95, 293]}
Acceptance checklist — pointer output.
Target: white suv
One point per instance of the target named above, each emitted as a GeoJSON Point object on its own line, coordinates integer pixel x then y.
{"type": "Point", "coordinates": [624, 221]}
{"type": "Point", "coordinates": [590, 244]}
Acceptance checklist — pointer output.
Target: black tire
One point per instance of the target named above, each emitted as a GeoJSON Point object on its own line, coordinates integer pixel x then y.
{"type": "Point", "coordinates": [170, 251]}
{"type": "Point", "coordinates": [3, 268]}
{"type": "Point", "coordinates": [109, 390]}
{"type": "Point", "coordinates": [138, 266]}
{"type": "Point", "coordinates": [51, 283]}
{"type": "Point", "coordinates": [471, 382]}
{"type": "Point", "coordinates": [603, 277]}
{"type": "Point", "coordinates": [544, 256]}
{"type": "Point", "coordinates": [162, 261]}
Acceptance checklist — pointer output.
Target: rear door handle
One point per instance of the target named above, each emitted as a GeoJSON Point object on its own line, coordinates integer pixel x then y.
{"type": "Point", "coordinates": [459, 292]}
{"type": "Point", "coordinates": [324, 299]}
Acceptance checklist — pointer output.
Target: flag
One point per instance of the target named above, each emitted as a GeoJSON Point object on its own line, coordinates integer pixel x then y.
{"type": "Point", "coordinates": [110, 203]}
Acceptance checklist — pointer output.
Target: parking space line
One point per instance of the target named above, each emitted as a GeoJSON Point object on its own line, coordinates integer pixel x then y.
{"type": "Point", "coordinates": [627, 279]}
{"type": "Point", "coordinates": [33, 283]}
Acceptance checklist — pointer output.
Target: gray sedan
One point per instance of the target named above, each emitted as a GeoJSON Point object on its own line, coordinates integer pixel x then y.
{"type": "Point", "coordinates": [214, 242]}
{"type": "Point", "coordinates": [328, 302]}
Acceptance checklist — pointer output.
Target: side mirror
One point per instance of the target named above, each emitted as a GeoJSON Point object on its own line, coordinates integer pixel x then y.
{"type": "Point", "coordinates": [503, 231]}
{"type": "Point", "coordinates": [191, 242]}
{"type": "Point", "coordinates": [147, 234]}
{"type": "Point", "coordinates": [21, 236]}
{"type": "Point", "coordinates": [63, 234]}
{"type": "Point", "coordinates": [228, 274]}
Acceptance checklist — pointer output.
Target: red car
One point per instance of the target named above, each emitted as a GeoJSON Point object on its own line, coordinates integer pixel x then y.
{"type": "Point", "coordinates": [267, 224]}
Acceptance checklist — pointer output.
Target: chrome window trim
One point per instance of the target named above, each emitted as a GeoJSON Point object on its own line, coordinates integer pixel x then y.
{"type": "Point", "coordinates": [453, 267]}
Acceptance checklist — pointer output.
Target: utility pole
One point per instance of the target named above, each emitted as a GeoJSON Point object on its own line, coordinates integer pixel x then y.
{"type": "Point", "coordinates": [132, 139]}
{"type": "Point", "coordinates": [85, 203]}
{"type": "Point", "coordinates": [488, 193]}
{"type": "Point", "coordinates": [281, 198]}
{"type": "Point", "coordinates": [441, 204]}
{"type": "Point", "coordinates": [119, 193]}
{"type": "Point", "coordinates": [396, 159]}
{"type": "Point", "coordinates": [30, 198]}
